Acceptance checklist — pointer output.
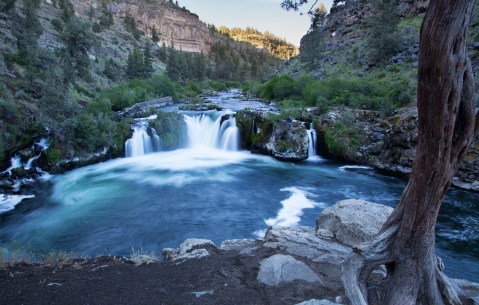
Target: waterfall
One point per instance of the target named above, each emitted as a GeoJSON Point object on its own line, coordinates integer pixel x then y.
{"type": "Point", "coordinates": [140, 143]}
{"type": "Point", "coordinates": [205, 131]}
{"type": "Point", "coordinates": [202, 130]}
{"type": "Point", "coordinates": [15, 162]}
{"type": "Point", "coordinates": [42, 145]}
{"type": "Point", "coordinates": [312, 141]}
{"type": "Point", "coordinates": [229, 139]}
{"type": "Point", "coordinates": [156, 140]}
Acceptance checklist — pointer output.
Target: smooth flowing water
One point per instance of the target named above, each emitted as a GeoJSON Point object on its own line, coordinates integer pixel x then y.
{"type": "Point", "coordinates": [213, 191]}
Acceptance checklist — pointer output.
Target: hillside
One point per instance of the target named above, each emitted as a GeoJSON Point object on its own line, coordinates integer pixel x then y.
{"type": "Point", "coordinates": [65, 64]}
{"type": "Point", "coordinates": [276, 46]}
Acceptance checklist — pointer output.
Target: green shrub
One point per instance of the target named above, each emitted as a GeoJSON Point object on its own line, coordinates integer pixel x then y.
{"type": "Point", "coordinates": [53, 155]}
{"type": "Point", "coordinates": [18, 59]}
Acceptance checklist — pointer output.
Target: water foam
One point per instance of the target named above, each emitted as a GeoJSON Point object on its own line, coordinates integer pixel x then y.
{"type": "Point", "coordinates": [8, 202]}
{"type": "Point", "coordinates": [290, 213]}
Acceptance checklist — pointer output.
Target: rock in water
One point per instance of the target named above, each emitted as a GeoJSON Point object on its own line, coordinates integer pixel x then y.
{"type": "Point", "coordinates": [318, 302]}
{"type": "Point", "coordinates": [353, 221]}
{"type": "Point", "coordinates": [279, 269]}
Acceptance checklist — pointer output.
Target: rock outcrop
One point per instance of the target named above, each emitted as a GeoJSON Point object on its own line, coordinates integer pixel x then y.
{"type": "Point", "coordinates": [280, 269]}
{"type": "Point", "coordinates": [353, 221]}
{"type": "Point", "coordinates": [389, 143]}
{"type": "Point", "coordinates": [283, 139]}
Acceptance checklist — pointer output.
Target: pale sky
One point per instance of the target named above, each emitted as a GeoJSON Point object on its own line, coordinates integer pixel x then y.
{"type": "Point", "coordinates": [264, 15]}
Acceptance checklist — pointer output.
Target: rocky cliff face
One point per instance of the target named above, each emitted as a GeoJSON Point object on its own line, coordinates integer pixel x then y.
{"type": "Point", "coordinates": [175, 26]}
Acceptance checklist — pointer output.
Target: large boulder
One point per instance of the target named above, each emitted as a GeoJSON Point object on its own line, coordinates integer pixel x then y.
{"type": "Point", "coordinates": [353, 221]}
{"type": "Point", "coordinates": [279, 269]}
{"type": "Point", "coordinates": [289, 141]}
{"type": "Point", "coordinates": [318, 302]}
{"type": "Point", "coordinates": [193, 248]}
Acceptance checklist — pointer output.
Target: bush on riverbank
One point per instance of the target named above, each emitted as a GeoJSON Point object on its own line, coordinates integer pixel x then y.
{"type": "Point", "coordinates": [383, 92]}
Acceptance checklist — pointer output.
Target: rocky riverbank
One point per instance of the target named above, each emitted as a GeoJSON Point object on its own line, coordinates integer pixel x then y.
{"type": "Point", "coordinates": [386, 143]}
{"type": "Point", "coordinates": [300, 265]}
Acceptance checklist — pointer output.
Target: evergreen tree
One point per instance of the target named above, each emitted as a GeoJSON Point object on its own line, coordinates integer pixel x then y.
{"type": "Point", "coordinates": [78, 40]}
{"type": "Point", "coordinates": [7, 5]}
{"type": "Point", "coordinates": [91, 12]}
{"type": "Point", "coordinates": [134, 67]}
{"type": "Point", "coordinates": [147, 61]}
{"type": "Point", "coordinates": [154, 35]}
{"type": "Point", "coordinates": [383, 40]}
{"type": "Point", "coordinates": [68, 11]}
{"type": "Point", "coordinates": [106, 19]}
{"type": "Point", "coordinates": [30, 30]}
{"type": "Point", "coordinates": [173, 69]}
{"type": "Point", "coordinates": [163, 53]}
{"type": "Point", "coordinates": [112, 70]}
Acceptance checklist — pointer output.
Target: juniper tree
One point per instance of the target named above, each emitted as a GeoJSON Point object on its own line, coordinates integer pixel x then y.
{"type": "Point", "coordinates": [447, 123]}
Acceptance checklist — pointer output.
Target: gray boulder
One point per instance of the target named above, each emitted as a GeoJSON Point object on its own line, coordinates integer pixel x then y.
{"type": "Point", "coordinates": [318, 302]}
{"type": "Point", "coordinates": [289, 141]}
{"type": "Point", "coordinates": [353, 221]}
{"type": "Point", "coordinates": [190, 249]}
{"type": "Point", "coordinates": [279, 269]}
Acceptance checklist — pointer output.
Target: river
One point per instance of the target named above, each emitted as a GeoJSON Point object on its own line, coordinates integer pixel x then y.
{"type": "Point", "coordinates": [212, 189]}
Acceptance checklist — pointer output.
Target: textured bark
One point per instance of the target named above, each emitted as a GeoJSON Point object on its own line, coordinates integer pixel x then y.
{"type": "Point", "coordinates": [406, 244]}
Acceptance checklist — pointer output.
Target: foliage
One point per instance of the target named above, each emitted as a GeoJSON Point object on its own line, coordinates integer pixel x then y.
{"type": "Point", "coordinates": [139, 65]}
{"type": "Point", "coordinates": [374, 92]}
{"type": "Point", "coordinates": [29, 32]}
{"type": "Point", "coordinates": [130, 26]}
{"type": "Point", "coordinates": [106, 19]}
{"type": "Point", "coordinates": [339, 139]}
{"type": "Point", "coordinates": [170, 127]}
{"type": "Point", "coordinates": [383, 40]}
{"type": "Point", "coordinates": [113, 70]}
{"type": "Point", "coordinates": [78, 40]}
{"type": "Point", "coordinates": [154, 35]}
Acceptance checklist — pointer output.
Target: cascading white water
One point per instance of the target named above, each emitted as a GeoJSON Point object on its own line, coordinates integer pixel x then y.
{"type": "Point", "coordinates": [229, 139]}
{"type": "Point", "coordinates": [156, 140]}
{"type": "Point", "coordinates": [15, 162]}
{"type": "Point", "coordinates": [205, 131]}
{"type": "Point", "coordinates": [202, 131]}
{"type": "Point", "coordinates": [140, 143]}
{"type": "Point", "coordinates": [312, 136]}
{"type": "Point", "coordinates": [43, 145]}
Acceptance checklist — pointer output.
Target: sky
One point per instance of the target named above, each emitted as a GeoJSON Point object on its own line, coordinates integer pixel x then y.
{"type": "Point", "coordinates": [264, 15]}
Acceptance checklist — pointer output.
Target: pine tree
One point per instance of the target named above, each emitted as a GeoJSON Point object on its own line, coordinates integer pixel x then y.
{"type": "Point", "coordinates": [147, 61]}
{"type": "Point", "coordinates": [29, 32]}
{"type": "Point", "coordinates": [78, 40]}
{"type": "Point", "coordinates": [135, 68]}
{"type": "Point", "coordinates": [383, 40]}
{"type": "Point", "coordinates": [91, 12]}
{"type": "Point", "coordinates": [154, 35]}
{"type": "Point", "coordinates": [163, 53]}
{"type": "Point", "coordinates": [106, 19]}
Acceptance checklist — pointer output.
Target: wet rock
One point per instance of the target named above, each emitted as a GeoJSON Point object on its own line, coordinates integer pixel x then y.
{"type": "Point", "coordinates": [303, 241]}
{"type": "Point", "coordinates": [190, 249]}
{"type": "Point", "coordinates": [243, 246]}
{"type": "Point", "coordinates": [353, 221]}
{"type": "Point", "coordinates": [318, 302]}
{"type": "Point", "coordinates": [289, 141]}
{"type": "Point", "coordinates": [279, 269]}
{"type": "Point", "coordinates": [26, 154]}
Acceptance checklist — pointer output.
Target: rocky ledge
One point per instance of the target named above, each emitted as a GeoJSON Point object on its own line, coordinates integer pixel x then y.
{"type": "Point", "coordinates": [300, 265]}
{"type": "Point", "coordinates": [385, 143]}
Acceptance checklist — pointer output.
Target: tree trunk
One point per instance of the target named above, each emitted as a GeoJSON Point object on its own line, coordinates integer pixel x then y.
{"type": "Point", "coordinates": [406, 243]}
